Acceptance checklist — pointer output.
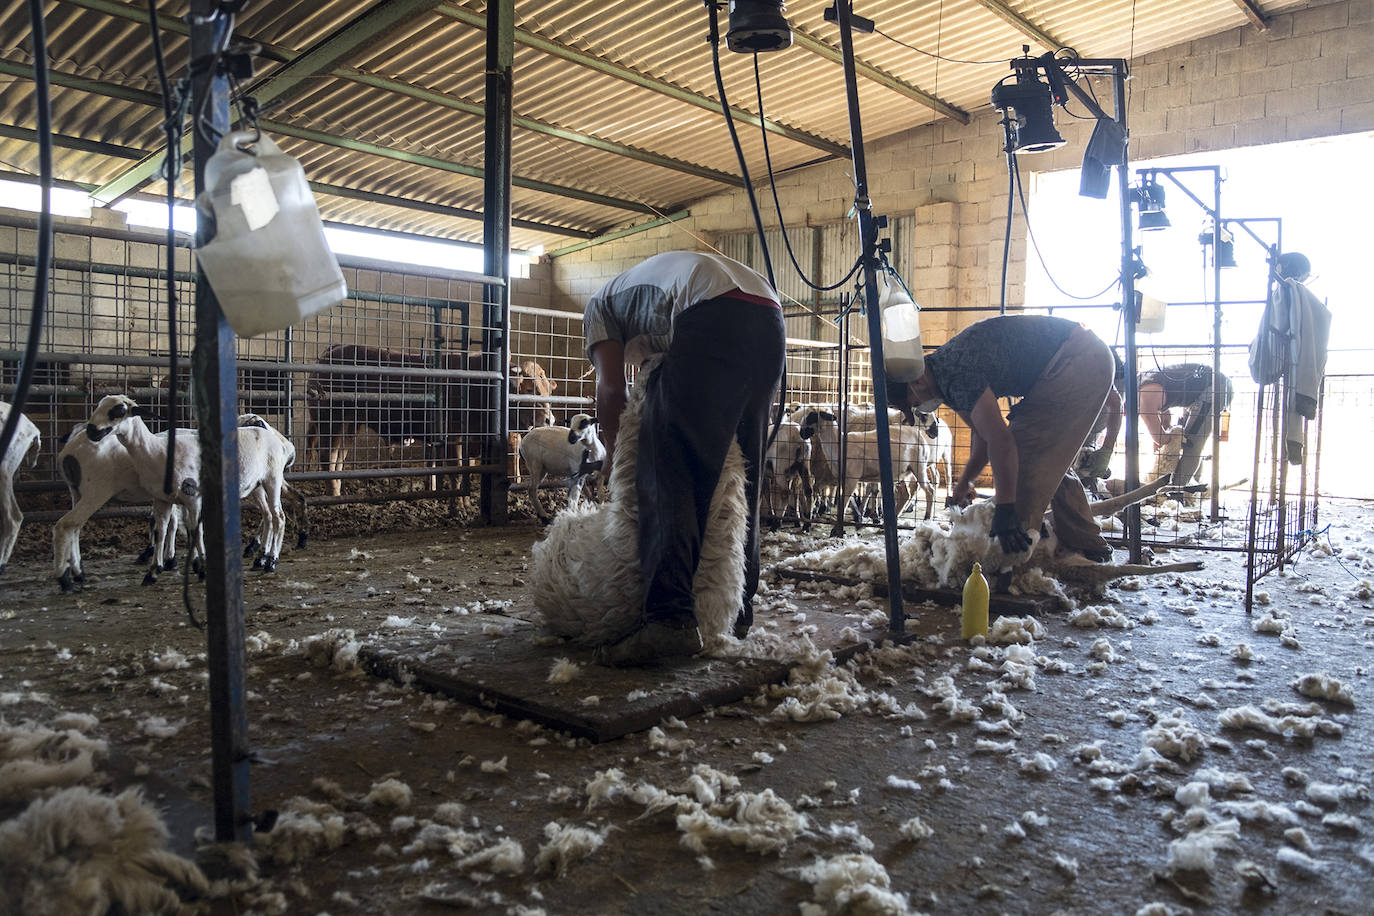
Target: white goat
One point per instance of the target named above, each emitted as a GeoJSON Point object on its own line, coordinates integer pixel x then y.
{"type": "Point", "coordinates": [787, 469]}
{"type": "Point", "coordinates": [97, 468]}
{"type": "Point", "coordinates": [288, 493]}
{"type": "Point", "coordinates": [571, 451]}
{"type": "Point", "coordinates": [23, 448]}
{"type": "Point", "coordinates": [861, 458]}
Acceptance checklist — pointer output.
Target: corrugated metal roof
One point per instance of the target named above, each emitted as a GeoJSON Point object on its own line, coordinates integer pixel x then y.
{"type": "Point", "coordinates": [612, 100]}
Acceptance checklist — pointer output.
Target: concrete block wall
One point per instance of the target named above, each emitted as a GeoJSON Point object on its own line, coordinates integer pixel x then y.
{"type": "Point", "coordinates": [1311, 74]}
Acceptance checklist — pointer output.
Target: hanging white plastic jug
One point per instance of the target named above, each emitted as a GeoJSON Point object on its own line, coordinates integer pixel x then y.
{"type": "Point", "coordinates": [903, 358]}
{"type": "Point", "coordinates": [268, 261]}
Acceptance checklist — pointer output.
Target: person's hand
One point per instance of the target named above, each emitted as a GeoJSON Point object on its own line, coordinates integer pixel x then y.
{"type": "Point", "coordinates": [1006, 527]}
{"type": "Point", "coordinates": [962, 494]}
{"type": "Point", "coordinates": [1096, 463]}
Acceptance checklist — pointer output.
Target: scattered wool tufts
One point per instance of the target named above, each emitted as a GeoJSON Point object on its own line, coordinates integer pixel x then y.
{"type": "Point", "coordinates": [1249, 716]}
{"type": "Point", "coordinates": [1194, 795]}
{"type": "Point", "coordinates": [1220, 781]}
{"type": "Point", "coordinates": [659, 741]}
{"type": "Point", "coordinates": [34, 757]}
{"type": "Point", "coordinates": [1014, 831]}
{"type": "Point", "coordinates": [1256, 877]}
{"type": "Point", "coordinates": [1023, 630]}
{"type": "Point", "coordinates": [1156, 908]}
{"type": "Point", "coordinates": [896, 782]}
{"type": "Point", "coordinates": [1174, 736]}
{"type": "Point", "coordinates": [168, 660]}
{"type": "Point", "coordinates": [984, 746]}
{"type": "Point", "coordinates": [1324, 687]}
{"type": "Point", "coordinates": [1242, 652]}
{"type": "Point", "coordinates": [159, 727]}
{"type": "Point", "coordinates": [1068, 866]}
{"type": "Point", "coordinates": [1041, 764]}
{"type": "Point", "coordinates": [1298, 838]}
{"type": "Point", "coordinates": [1102, 650]}
{"type": "Point", "coordinates": [496, 766]}
{"type": "Point", "coordinates": [1300, 862]}
{"type": "Point", "coordinates": [758, 821]}
{"type": "Point", "coordinates": [1348, 823]}
{"type": "Point", "coordinates": [1198, 850]}
{"type": "Point", "coordinates": [1259, 811]}
{"type": "Point", "coordinates": [80, 721]}
{"type": "Point", "coordinates": [334, 648]}
{"type": "Point", "coordinates": [853, 883]}
{"type": "Point", "coordinates": [389, 793]}
{"type": "Point", "coordinates": [79, 851]}
{"type": "Point", "coordinates": [505, 857]}
{"type": "Point", "coordinates": [450, 813]}
{"type": "Point", "coordinates": [563, 671]}
{"type": "Point", "coordinates": [915, 830]}
{"type": "Point", "coordinates": [567, 844]}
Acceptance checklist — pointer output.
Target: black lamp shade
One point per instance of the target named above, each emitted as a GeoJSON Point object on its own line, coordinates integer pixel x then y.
{"type": "Point", "coordinates": [1153, 219]}
{"type": "Point", "coordinates": [757, 26]}
{"type": "Point", "coordinates": [1034, 127]}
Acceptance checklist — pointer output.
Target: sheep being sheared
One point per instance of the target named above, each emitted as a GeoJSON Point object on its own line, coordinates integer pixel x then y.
{"type": "Point", "coordinates": [585, 574]}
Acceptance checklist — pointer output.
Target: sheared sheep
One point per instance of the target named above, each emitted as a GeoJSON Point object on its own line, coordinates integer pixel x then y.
{"type": "Point", "coordinates": [23, 449]}
{"type": "Point", "coordinates": [585, 574]}
{"type": "Point", "coordinates": [289, 494]}
{"type": "Point", "coordinates": [787, 473]}
{"type": "Point", "coordinates": [571, 451]}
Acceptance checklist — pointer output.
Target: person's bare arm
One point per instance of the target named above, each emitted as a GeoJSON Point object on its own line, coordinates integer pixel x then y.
{"type": "Point", "coordinates": [608, 356]}
{"type": "Point", "coordinates": [988, 425]}
{"type": "Point", "coordinates": [1114, 412]}
{"type": "Point", "coordinates": [962, 493]}
{"type": "Point", "coordinates": [1153, 414]}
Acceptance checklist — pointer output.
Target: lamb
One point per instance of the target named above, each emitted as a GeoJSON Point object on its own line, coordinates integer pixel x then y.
{"type": "Point", "coordinates": [861, 457]}
{"type": "Point", "coordinates": [97, 469]}
{"type": "Point", "coordinates": [23, 450]}
{"type": "Point", "coordinates": [585, 574]}
{"type": "Point", "coordinates": [787, 467]}
{"type": "Point", "coordinates": [573, 451]}
{"type": "Point", "coordinates": [936, 442]}
{"type": "Point", "coordinates": [288, 493]}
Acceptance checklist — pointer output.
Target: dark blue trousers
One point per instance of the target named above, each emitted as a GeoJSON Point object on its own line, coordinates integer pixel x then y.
{"type": "Point", "coordinates": [715, 384]}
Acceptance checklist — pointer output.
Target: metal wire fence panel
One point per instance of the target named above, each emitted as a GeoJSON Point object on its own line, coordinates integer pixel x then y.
{"type": "Point", "coordinates": [402, 379]}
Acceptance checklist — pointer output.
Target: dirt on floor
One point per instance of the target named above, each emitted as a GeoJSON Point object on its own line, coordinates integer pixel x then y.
{"type": "Point", "coordinates": [1117, 760]}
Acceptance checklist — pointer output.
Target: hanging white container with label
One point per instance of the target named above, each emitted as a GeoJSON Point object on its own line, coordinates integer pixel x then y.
{"type": "Point", "coordinates": [268, 261]}
{"type": "Point", "coordinates": [903, 358]}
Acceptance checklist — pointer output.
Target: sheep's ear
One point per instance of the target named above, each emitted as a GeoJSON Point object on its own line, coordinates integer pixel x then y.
{"type": "Point", "coordinates": [827, 415]}
{"type": "Point", "coordinates": [138, 410]}
{"type": "Point", "coordinates": [572, 436]}
{"type": "Point", "coordinates": [118, 411]}
{"type": "Point", "coordinates": [553, 385]}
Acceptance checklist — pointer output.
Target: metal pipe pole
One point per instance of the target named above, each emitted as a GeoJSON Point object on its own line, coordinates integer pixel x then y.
{"type": "Point", "coordinates": [1217, 386]}
{"type": "Point", "coordinates": [496, 223]}
{"type": "Point", "coordinates": [1129, 318]}
{"type": "Point", "coordinates": [216, 401]}
{"type": "Point", "coordinates": [868, 235]}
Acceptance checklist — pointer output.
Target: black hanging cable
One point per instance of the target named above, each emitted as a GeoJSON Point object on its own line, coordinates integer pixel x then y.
{"type": "Point", "coordinates": [1011, 182]}
{"type": "Point", "coordinates": [734, 139]}
{"type": "Point", "coordinates": [777, 205]}
{"type": "Point", "coordinates": [1021, 195]}
{"type": "Point", "coordinates": [172, 131]}
{"type": "Point", "coordinates": [43, 252]}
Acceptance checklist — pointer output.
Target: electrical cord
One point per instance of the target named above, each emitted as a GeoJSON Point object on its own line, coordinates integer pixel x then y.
{"type": "Point", "coordinates": [1021, 195]}
{"type": "Point", "coordinates": [43, 259]}
{"type": "Point", "coordinates": [773, 185]}
{"type": "Point", "coordinates": [935, 54]}
{"type": "Point", "coordinates": [172, 131]}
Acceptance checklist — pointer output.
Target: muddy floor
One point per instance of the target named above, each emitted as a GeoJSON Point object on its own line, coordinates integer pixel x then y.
{"type": "Point", "coordinates": [1089, 771]}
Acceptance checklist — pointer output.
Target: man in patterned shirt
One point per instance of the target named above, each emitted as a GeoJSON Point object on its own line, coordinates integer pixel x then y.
{"type": "Point", "coordinates": [719, 327]}
{"type": "Point", "coordinates": [1061, 372]}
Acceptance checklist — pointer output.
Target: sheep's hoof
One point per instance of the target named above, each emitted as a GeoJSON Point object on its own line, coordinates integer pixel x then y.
{"type": "Point", "coordinates": [546, 521]}
{"type": "Point", "coordinates": [837, 531]}
{"type": "Point", "coordinates": [743, 622]}
{"type": "Point", "coordinates": [2, 569]}
{"type": "Point", "coordinates": [269, 565]}
{"type": "Point", "coordinates": [251, 548]}
{"type": "Point", "coordinates": [301, 539]}
{"type": "Point", "coordinates": [80, 576]}
{"type": "Point", "coordinates": [257, 563]}
{"type": "Point", "coordinates": [775, 525]}
{"type": "Point", "coordinates": [198, 567]}
{"type": "Point", "coordinates": [145, 556]}
{"type": "Point", "coordinates": [171, 563]}
{"type": "Point", "coordinates": [150, 578]}
{"type": "Point", "coordinates": [66, 581]}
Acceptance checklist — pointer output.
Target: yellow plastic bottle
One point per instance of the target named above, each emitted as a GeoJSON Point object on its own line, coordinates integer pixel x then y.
{"type": "Point", "coordinates": [976, 603]}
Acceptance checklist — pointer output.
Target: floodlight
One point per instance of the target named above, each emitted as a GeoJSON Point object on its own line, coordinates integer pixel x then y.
{"type": "Point", "coordinates": [757, 26]}
{"type": "Point", "coordinates": [1033, 128]}
{"type": "Point", "coordinates": [1225, 254]}
{"type": "Point", "coordinates": [1150, 197]}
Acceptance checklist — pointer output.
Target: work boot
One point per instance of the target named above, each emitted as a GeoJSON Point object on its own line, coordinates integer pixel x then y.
{"type": "Point", "coordinates": [650, 643]}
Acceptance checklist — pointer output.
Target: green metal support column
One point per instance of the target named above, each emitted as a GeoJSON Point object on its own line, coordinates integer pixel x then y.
{"type": "Point", "coordinates": [496, 203]}
{"type": "Point", "coordinates": [216, 401]}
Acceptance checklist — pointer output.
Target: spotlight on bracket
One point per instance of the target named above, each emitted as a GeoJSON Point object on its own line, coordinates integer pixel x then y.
{"type": "Point", "coordinates": [1030, 98]}
{"type": "Point", "coordinates": [1150, 197]}
{"type": "Point", "coordinates": [757, 26]}
{"type": "Point", "coordinates": [1225, 255]}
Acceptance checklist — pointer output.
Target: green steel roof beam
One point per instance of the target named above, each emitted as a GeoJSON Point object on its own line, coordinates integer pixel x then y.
{"type": "Point", "coordinates": [882, 78]}
{"type": "Point", "coordinates": [423, 206]}
{"type": "Point", "coordinates": [1023, 25]}
{"type": "Point", "coordinates": [170, 24]}
{"type": "Point", "coordinates": [378, 20]}
{"type": "Point", "coordinates": [539, 43]}
{"type": "Point", "coordinates": [472, 171]}
{"type": "Point", "coordinates": [113, 150]}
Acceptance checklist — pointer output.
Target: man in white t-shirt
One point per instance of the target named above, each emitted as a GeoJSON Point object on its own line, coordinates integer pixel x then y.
{"type": "Point", "coordinates": [720, 330]}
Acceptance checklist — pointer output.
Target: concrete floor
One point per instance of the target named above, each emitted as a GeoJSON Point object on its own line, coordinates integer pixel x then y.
{"type": "Point", "coordinates": [1092, 835]}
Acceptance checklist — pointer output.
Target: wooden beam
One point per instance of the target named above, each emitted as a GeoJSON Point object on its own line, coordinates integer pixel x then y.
{"type": "Point", "coordinates": [1252, 11]}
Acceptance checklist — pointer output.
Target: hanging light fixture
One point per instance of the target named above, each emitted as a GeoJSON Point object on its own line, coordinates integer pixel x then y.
{"type": "Point", "coordinates": [1225, 255]}
{"type": "Point", "coordinates": [757, 26]}
{"type": "Point", "coordinates": [1150, 197]}
{"type": "Point", "coordinates": [1033, 127]}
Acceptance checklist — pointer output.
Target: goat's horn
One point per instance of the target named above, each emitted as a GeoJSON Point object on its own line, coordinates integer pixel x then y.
{"type": "Point", "coordinates": [1114, 505]}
